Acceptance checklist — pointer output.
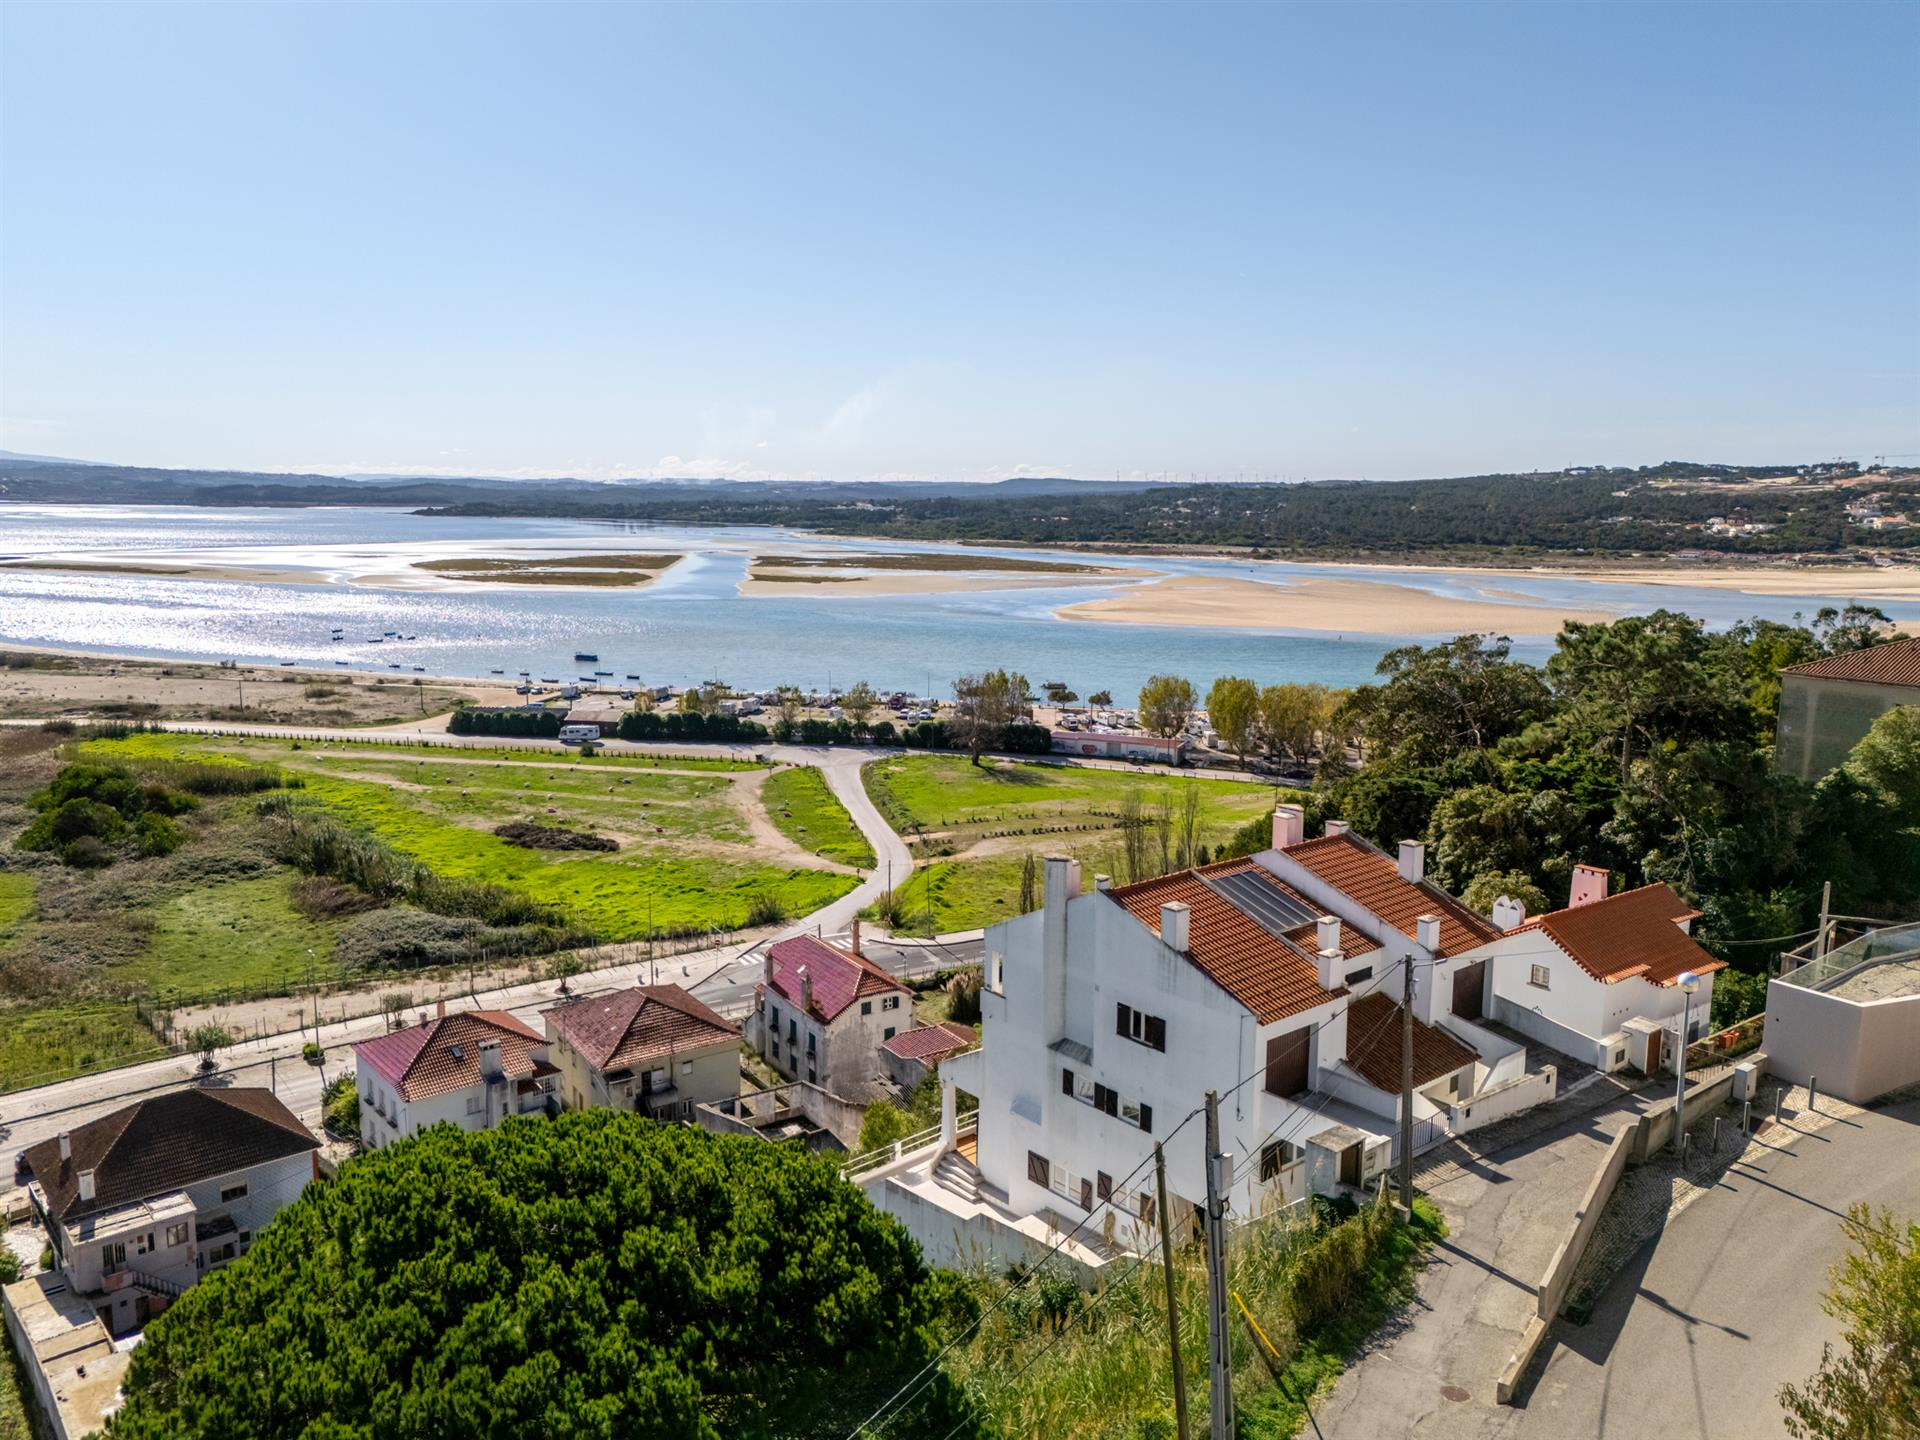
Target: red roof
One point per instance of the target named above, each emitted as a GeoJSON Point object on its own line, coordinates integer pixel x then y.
{"type": "Point", "coordinates": [1372, 880]}
{"type": "Point", "coordinates": [626, 1028]}
{"type": "Point", "coordinates": [839, 978]}
{"type": "Point", "coordinates": [443, 1055]}
{"type": "Point", "coordinates": [1632, 933]}
{"type": "Point", "coordinates": [1374, 1025]}
{"type": "Point", "coordinates": [1896, 662]}
{"type": "Point", "coordinates": [1270, 977]}
{"type": "Point", "coordinates": [932, 1042]}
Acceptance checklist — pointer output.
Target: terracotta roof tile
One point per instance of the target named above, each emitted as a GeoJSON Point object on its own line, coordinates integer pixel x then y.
{"type": "Point", "coordinates": [1632, 933]}
{"type": "Point", "coordinates": [625, 1028]}
{"type": "Point", "coordinates": [421, 1061]}
{"type": "Point", "coordinates": [1374, 1045]}
{"type": "Point", "coordinates": [1270, 977]}
{"type": "Point", "coordinates": [932, 1042]}
{"type": "Point", "coordinates": [1896, 662]}
{"type": "Point", "coordinates": [839, 978]}
{"type": "Point", "coordinates": [1372, 880]}
{"type": "Point", "coordinates": [163, 1143]}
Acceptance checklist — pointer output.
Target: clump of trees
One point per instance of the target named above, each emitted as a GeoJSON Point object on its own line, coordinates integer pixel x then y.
{"type": "Point", "coordinates": [1644, 746]}
{"type": "Point", "coordinates": [92, 814]}
{"type": "Point", "coordinates": [1869, 1389]}
{"type": "Point", "coordinates": [539, 723]}
{"type": "Point", "coordinates": [985, 708]}
{"type": "Point", "coordinates": [689, 725]}
{"type": "Point", "coordinates": [592, 1275]}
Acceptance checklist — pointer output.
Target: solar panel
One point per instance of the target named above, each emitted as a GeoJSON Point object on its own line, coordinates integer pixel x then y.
{"type": "Point", "coordinates": [1260, 900]}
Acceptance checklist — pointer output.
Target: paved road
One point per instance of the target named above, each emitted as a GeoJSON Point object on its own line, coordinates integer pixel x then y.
{"type": "Point", "coordinates": [1694, 1337]}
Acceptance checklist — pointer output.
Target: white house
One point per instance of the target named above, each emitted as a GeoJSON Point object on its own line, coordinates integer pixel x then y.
{"type": "Point", "coordinates": [651, 1048]}
{"type": "Point", "coordinates": [1599, 980]}
{"type": "Point", "coordinates": [141, 1203]}
{"type": "Point", "coordinates": [821, 1014]}
{"type": "Point", "coordinates": [471, 1069]}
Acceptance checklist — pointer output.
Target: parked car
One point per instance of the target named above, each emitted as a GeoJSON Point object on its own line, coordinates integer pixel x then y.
{"type": "Point", "coordinates": [22, 1171]}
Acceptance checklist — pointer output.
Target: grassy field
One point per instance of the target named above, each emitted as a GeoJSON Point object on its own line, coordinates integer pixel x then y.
{"type": "Point", "coordinates": [16, 902]}
{"type": "Point", "coordinates": [245, 934]}
{"type": "Point", "coordinates": [805, 811]}
{"type": "Point", "coordinates": [47, 1042]}
{"type": "Point", "coordinates": [973, 827]}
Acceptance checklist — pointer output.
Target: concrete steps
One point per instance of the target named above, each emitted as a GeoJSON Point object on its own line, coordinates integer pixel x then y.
{"type": "Point", "coordinates": [958, 1175]}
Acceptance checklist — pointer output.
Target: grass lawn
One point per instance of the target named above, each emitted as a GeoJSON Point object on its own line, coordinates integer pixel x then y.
{"type": "Point", "coordinates": [15, 1398]}
{"type": "Point", "coordinates": [245, 934]}
{"type": "Point", "coordinates": [975, 825]}
{"type": "Point", "coordinates": [16, 902]}
{"type": "Point", "coordinates": [804, 810]}
{"type": "Point", "coordinates": [43, 1044]}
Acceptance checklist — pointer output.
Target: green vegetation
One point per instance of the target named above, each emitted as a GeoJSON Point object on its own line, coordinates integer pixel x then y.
{"type": "Point", "coordinates": [37, 1045]}
{"type": "Point", "coordinates": [804, 810]}
{"type": "Point", "coordinates": [1870, 1389]}
{"type": "Point", "coordinates": [244, 934]}
{"type": "Point", "coordinates": [16, 902]}
{"type": "Point", "coordinates": [593, 1275]}
{"type": "Point", "coordinates": [1644, 746]}
{"type": "Point", "coordinates": [1053, 1361]}
{"type": "Point", "coordinates": [16, 1398]}
{"type": "Point", "coordinates": [990, 818]}
{"type": "Point", "coordinates": [553, 569]}
{"type": "Point", "coordinates": [925, 560]}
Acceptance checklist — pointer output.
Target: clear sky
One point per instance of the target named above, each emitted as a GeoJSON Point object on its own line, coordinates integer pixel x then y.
{"type": "Point", "coordinates": [966, 242]}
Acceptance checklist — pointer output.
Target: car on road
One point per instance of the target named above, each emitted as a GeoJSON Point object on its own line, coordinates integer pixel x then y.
{"type": "Point", "coordinates": [22, 1171]}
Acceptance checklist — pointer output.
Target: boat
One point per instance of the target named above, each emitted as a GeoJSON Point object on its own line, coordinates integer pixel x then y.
{"type": "Point", "coordinates": [286, 662]}
{"type": "Point", "coordinates": [496, 672]}
{"type": "Point", "coordinates": [339, 662]}
{"type": "Point", "coordinates": [633, 677]}
{"type": "Point", "coordinates": [603, 672]}
{"type": "Point", "coordinates": [393, 665]}
{"type": "Point", "coordinates": [584, 655]}
{"type": "Point", "coordinates": [419, 669]}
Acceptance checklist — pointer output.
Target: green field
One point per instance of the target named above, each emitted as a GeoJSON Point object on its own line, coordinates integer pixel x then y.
{"type": "Point", "coordinates": [974, 826]}
{"type": "Point", "coordinates": [686, 859]}
{"type": "Point", "coordinates": [16, 902]}
{"type": "Point", "coordinates": [45, 1044]}
{"type": "Point", "coordinates": [244, 934]}
{"type": "Point", "coordinates": [806, 812]}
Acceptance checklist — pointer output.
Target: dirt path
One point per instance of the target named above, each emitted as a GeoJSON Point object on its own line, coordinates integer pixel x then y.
{"type": "Point", "coordinates": [774, 845]}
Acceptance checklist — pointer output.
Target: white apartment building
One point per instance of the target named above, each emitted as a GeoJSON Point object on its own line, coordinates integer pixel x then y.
{"type": "Point", "coordinates": [821, 1015]}
{"type": "Point", "coordinates": [472, 1069]}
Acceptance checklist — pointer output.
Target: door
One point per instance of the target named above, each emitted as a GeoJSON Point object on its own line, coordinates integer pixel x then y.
{"type": "Point", "coordinates": [1656, 1050]}
{"type": "Point", "coordinates": [1350, 1165]}
{"type": "Point", "coordinates": [1469, 986]}
{"type": "Point", "coordinates": [1287, 1062]}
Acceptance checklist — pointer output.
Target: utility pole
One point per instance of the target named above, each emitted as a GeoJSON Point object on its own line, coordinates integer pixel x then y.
{"type": "Point", "coordinates": [1406, 1089]}
{"type": "Point", "coordinates": [1219, 1337]}
{"type": "Point", "coordinates": [1826, 907]}
{"type": "Point", "coordinates": [1173, 1309]}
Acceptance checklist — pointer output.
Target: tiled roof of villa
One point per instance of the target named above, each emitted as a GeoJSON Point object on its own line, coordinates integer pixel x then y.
{"type": "Point", "coordinates": [443, 1055]}
{"type": "Point", "coordinates": [1373, 880]}
{"type": "Point", "coordinates": [1632, 933]}
{"type": "Point", "coordinates": [644, 1022]}
{"type": "Point", "coordinates": [839, 977]}
{"type": "Point", "coordinates": [932, 1042]}
{"type": "Point", "coordinates": [1896, 662]}
{"type": "Point", "coordinates": [1272, 978]}
{"type": "Point", "coordinates": [1373, 1045]}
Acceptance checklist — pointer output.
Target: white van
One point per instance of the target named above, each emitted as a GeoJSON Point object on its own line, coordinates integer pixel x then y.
{"type": "Point", "coordinates": [574, 734]}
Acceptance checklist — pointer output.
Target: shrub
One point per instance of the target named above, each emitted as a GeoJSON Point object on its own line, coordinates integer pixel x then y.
{"type": "Point", "coordinates": [965, 1008]}
{"type": "Point", "coordinates": [340, 1107]}
{"type": "Point", "coordinates": [765, 908]}
{"type": "Point", "coordinates": [312, 1053]}
{"type": "Point", "coordinates": [533, 836]}
{"type": "Point", "coordinates": [882, 1124]}
{"type": "Point", "coordinates": [86, 853]}
{"type": "Point", "coordinates": [156, 835]}
{"type": "Point", "coordinates": [883, 733]}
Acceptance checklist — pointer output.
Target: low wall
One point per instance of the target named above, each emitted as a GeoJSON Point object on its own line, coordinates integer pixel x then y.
{"type": "Point", "coordinates": [1499, 1101]}
{"type": "Point", "coordinates": [975, 1242]}
{"type": "Point", "coordinates": [1509, 1060]}
{"type": "Point", "coordinates": [1858, 1050]}
{"type": "Point", "coordinates": [1584, 1048]}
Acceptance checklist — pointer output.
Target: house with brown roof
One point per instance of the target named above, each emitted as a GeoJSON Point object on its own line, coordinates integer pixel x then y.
{"type": "Point", "coordinates": [1601, 979]}
{"type": "Point", "coordinates": [912, 1055]}
{"type": "Point", "coordinates": [140, 1204]}
{"type": "Point", "coordinates": [651, 1048]}
{"type": "Point", "coordinates": [821, 1014]}
{"type": "Point", "coordinates": [472, 1069]}
{"type": "Point", "coordinates": [1828, 705]}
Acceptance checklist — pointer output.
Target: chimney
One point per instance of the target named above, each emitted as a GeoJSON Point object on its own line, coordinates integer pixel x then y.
{"type": "Point", "coordinates": [440, 1008]}
{"type": "Point", "coordinates": [1426, 930]}
{"type": "Point", "coordinates": [86, 1184]}
{"type": "Point", "coordinates": [66, 1145]}
{"type": "Point", "coordinates": [1102, 883]}
{"type": "Point", "coordinates": [1589, 885]}
{"type": "Point", "coordinates": [1413, 861]}
{"type": "Point", "coordinates": [766, 969]}
{"type": "Point", "coordinates": [1173, 926]}
{"type": "Point", "coordinates": [1289, 826]}
{"type": "Point", "coordinates": [853, 937]}
{"type": "Point", "coordinates": [1509, 913]}
{"type": "Point", "coordinates": [1327, 933]}
{"type": "Point", "coordinates": [1326, 966]}
{"type": "Point", "coordinates": [1337, 827]}
{"type": "Point", "coordinates": [491, 1069]}
{"type": "Point", "coordinates": [806, 989]}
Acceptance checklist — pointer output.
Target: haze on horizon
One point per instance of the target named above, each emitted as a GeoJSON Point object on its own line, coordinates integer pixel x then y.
{"type": "Point", "coordinates": [958, 242]}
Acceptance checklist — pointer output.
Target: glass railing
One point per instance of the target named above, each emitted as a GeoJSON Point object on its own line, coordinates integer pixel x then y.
{"type": "Point", "coordinates": [1893, 944]}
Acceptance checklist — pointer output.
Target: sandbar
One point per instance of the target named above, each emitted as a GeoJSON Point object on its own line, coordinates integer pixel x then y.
{"type": "Point", "coordinates": [1367, 607]}
{"type": "Point", "coordinates": [916, 574]}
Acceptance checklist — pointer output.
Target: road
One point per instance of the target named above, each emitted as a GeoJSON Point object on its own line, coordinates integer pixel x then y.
{"type": "Point", "coordinates": [1693, 1339]}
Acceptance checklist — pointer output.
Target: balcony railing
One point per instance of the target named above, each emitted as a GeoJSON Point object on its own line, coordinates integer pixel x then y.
{"type": "Point", "coordinates": [872, 1160]}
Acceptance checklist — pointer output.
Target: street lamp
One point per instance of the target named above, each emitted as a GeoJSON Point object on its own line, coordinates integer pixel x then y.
{"type": "Point", "coordinates": [1689, 982]}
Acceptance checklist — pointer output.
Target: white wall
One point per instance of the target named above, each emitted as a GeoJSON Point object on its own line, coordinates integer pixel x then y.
{"type": "Point", "coordinates": [1577, 1001]}
{"type": "Point", "coordinates": [846, 1056]}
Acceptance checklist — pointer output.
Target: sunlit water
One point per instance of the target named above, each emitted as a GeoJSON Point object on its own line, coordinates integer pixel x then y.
{"type": "Point", "coordinates": [690, 625]}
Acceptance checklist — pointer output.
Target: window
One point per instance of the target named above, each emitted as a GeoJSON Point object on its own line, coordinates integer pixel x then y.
{"type": "Point", "coordinates": [475, 1104]}
{"type": "Point", "coordinates": [866, 1007]}
{"type": "Point", "coordinates": [1146, 1207]}
{"type": "Point", "coordinates": [811, 1037]}
{"type": "Point", "coordinates": [793, 1032]}
{"type": "Point", "coordinates": [686, 1067]}
{"type": "Point", "coordinates": [1066, 1081]}
{"type": "Point", "coordinates": [812, 1079]}
{"type": "Point", "coordinates": [143, 1243]}
{"type": "Point", "coordinates": [1276, 1157]}
{"type": "Point", "coordinates": [113, 1255]}
{"type": "Point", "coordinates": [891, 1002]}
{"type": "Point", "coordinates": [1354, 977]}
{"type": "Point", "coordinates": [1086, 1193]}
{"type": "Point", "coordinates": [246, 1238]}
{"type": "Point", "coordinates": [1136, 1025]}
{"type": "Point", "coordinates": [176, 1235]}
{"type": "Point", "coordinates": [776, 1047]}
{"type": "Point", "coordinates": [773, 1016]}
{"type": "Point", "coordinates": [1038, 1171]}
{"type": "Point", "coordinates": [1135, 1113]}
{"type": "Point", "coordinates": [234, 1192]}
{"type": "Point", "coordinates": [1103, 1185]}
{"type": "Point", "coordinates": [1539, 975]}
{"type": "Point", "coordinates": [890, 1033]}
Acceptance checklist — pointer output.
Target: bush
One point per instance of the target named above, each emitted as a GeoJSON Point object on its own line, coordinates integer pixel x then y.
{"type": "Point", "coordinates": [86, 853]}
{"type": "Point", "coordinates": [312, 1053]}
{"type": "Point", "coordinates": [541, 724]}
{"type": "Point", "coordinates": [156, 835]}
{"type": "Point", "coordinates": [883, 733]}
{"type": "Point", "coordinates": [965, 1007]}
{"type": "Point", "coordinates": [531, 835]}
{"type": "Point", "coordinates": [340, 1108]}
{"type": "Point", "coordinates": [765, 908]}
{"type": "Point", "coordinates": [882, 1124]}
{"type": "Point", "coordinates": [688, 725]}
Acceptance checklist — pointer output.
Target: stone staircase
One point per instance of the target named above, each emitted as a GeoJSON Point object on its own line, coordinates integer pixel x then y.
{"type": "Point", "coordinates": [957, 1174]}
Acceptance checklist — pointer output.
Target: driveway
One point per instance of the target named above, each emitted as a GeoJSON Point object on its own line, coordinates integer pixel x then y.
{"type": "Point", "coordinates": [1694, 1337]}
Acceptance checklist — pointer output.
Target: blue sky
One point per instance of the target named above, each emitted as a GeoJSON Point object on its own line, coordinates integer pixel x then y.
{"type": "Point", "coordinates": [966, 241]}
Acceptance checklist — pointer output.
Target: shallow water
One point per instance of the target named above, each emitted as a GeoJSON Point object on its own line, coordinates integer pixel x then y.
{"type": "Point", "coordinates": [688, 626]}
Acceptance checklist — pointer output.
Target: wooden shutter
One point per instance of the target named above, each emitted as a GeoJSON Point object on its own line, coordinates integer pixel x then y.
{"type": "Point", "coordinates": [1066, 1081]}
{"type": "Point", "coordinates": [1287, 1062]}
{"type": "Point", "coordinates": [1122, 1021]}
{"type": "Point", "coordinates": [1086, 1193]}
{"type": "Point", "coordinates": [1103, 1185]}
{"type": "Point", "coordinates": [1146, 1119]}
{"type": "Point", "coordinates": [1156, 1032]}
{"type": "Point", "coordinates": [1099, 1096]}
{"type": "Point", "coordinates": [1146, 1207]}
{"type": "Point", "coordinates": [1037, 1170]}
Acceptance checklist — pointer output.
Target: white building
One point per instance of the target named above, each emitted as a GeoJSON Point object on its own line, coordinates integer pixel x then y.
{"type": "Point", "coordinates": [471, 1069]}
{"type": "Point", "coordinates": [651, 1048]}
{"type": "Point", "coordinates": [1599, 980]}
{"type": "Point", "coordinates": [1114, 745]}
{"type": "Point", "coordinates": [821, 1014]}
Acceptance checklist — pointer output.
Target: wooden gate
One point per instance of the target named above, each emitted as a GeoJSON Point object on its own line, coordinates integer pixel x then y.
{"type": "Point", "coordinates": [1469, 988]}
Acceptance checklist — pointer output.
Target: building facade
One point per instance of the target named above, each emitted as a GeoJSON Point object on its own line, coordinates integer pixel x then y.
{"type": "Point", "coordinates": [821, 1014]}
{"type": "Point", "coordinates": [654, 1049]}
{"type": "Point", "coordinates": [1827, 706]}
{"type": "Point", "coordinates": [472, 1070]}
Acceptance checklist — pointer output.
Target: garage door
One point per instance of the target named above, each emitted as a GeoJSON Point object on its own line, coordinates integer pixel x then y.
{"type": "Point", "coordinates": [1469, 985]}
{"type": "Point", "coordinates": [1287, 1062]}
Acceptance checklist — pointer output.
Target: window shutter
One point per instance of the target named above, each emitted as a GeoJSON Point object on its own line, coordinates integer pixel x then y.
{"type": "Point", "coordinates": [1156, 1032]}
{"type": "Point", "coordinates": [1103, 1185]}
{"type": "Point", "coordinates": [1146, 1207]}
{"type": "Point", "coordinates": [1066, 1081]}
{"type": "Point", "coordinates": [1146, 1119]}
{"type": "Point", "coordinates": [1112, 1107]}
{"type": "Point", "coordinates": [1099, 1096]}
{"type": "Point", "coordinates": [1086, 1193]}
{"type": "Point", "coordinates": [1037, 1170]}
{"type": "Point", "coordinates": [1122, 1025]}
